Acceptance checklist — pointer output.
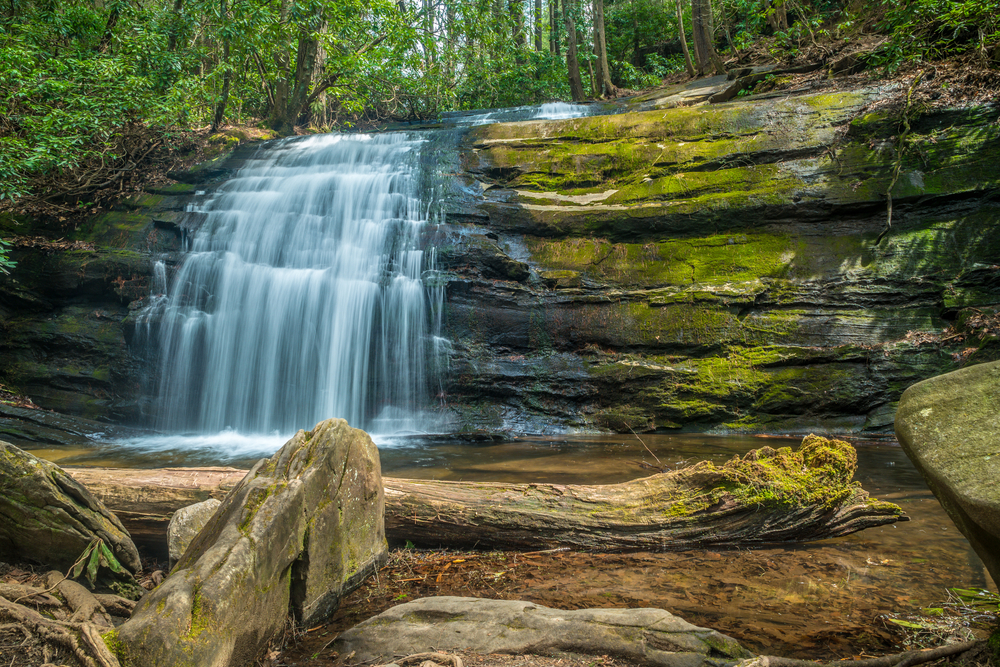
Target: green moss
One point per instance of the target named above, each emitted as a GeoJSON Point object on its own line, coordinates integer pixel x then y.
{"type": "Point", "coordinates": [724, 259]}
{"type": "Point", "coordinates": [201, 617]}
{"type": "Point", "coordinates": [117, 647]}
{"type": "Point", "coordinates": [255, 500]}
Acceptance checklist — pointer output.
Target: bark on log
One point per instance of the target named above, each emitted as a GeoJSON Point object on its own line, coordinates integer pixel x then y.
{"type": "Point", "coordinates": [768, 496]}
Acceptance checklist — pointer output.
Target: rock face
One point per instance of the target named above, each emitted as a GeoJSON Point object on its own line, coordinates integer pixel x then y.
{"type": "Point", "coordinates": [46, 516]}
{"type": "Point", "coordinates": [949, 426]}
{"type": "Point", "coordinates": [71, 336]}
{"type": "Point", "coordinates": [641, 636]}
{"type": "Point", "coordinates": [302, 529]}
{"type": "Point", "coordinates": [714, 267]}
{"type": "Point", "coordinates": [185, 524]}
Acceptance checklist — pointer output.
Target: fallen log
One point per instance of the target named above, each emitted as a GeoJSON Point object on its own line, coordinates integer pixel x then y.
{"type": "Point", "coordinates": [767, 496]}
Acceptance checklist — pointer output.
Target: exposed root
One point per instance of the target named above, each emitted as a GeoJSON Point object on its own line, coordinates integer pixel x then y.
{"type": "Point", "coordinates": [900, 151]}
{"type": "Point", "coordinates": [83, 640]}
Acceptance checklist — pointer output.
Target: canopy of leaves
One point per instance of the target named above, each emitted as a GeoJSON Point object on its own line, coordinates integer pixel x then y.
{"type": "Point", "coordinates": [90, 87]}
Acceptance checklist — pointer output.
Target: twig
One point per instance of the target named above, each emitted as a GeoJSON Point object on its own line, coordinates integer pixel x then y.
{"type": "Point", "coordinates": [899, 154]}
{"type": "Point", "coordinates": [544, 551]}
{"type": "Point", "coordinates": [644, 445]}
{"type": "Point", "coordinates": [907, 659]}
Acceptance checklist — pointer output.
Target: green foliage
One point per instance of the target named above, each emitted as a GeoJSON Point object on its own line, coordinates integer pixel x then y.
{"type": "Point", "coordinates": [90, 87]}
{"type": "Point", "coordinates": [97, 555]}
{"type": "Point", "coordinates": [6, 263]}
{"type": "Point", "coordinates": [660, 67]}
{"type": "Point", "coordinates": [923, 30]}
{"type": "Point", "coordinates": [630, 76]}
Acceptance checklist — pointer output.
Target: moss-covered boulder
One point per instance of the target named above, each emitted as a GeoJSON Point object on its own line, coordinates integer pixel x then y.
{"type": "Point", "coordinates": [949, 426]}
{"type": "Point", "coordinates": [302, 529]}
{"type": "Point", "coordinates": [48, 517]}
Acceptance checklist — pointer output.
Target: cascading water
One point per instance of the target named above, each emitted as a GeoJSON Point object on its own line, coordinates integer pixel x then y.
{"type": "Point", "coordinates": [302, 296]}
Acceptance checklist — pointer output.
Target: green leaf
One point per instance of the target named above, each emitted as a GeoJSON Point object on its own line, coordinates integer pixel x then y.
{"type": "Point", "coordinates": [92, 566]}
{"type": "Point", "coordinates": [111, 561]}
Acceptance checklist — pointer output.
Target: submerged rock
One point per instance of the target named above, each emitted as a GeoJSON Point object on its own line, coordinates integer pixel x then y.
{"type": "Point", "coordinates": [48, 517]}
{"type": "Point", "coordinates": [302, 529]}
{"type": "Point", "coordinates": [643, 636]}
{"type": "Point", "coordinates": [949, 426]}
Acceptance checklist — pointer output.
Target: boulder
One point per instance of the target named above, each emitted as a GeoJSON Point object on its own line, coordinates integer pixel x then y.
{"type": "Point", "coordinates": [642, 636]}
{"type": "Point", "coordinates": [48, 517]}
{"type": "Point", "coordinates": [185, 524]}
{"type": "Point", "coordinates": [949, 426]}
{"type": "Point", "coordinates": [299, 531]}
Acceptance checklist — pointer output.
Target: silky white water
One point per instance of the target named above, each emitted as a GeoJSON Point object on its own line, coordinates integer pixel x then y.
{"type": "Point", "coordinates": [302, 296]}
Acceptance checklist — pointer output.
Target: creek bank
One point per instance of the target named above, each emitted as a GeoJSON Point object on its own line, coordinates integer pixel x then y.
{"type": "Point", "coordinates": [949, 426]}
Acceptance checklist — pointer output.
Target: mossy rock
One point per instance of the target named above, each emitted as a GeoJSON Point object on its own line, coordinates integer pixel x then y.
{"type": "Point", "coordinates": [302, 529]}
{"type": "Point", "coordinates": [47, 517]}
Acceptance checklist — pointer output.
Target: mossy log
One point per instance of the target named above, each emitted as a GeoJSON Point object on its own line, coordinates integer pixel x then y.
{"type": "Point", "coordinates": [767, 496]}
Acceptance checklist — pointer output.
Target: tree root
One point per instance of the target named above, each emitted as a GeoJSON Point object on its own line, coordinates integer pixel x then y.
{"type": "Point", "coordinates": [900, 150]}
{"type": "Point", "coordinates": [82, 639]}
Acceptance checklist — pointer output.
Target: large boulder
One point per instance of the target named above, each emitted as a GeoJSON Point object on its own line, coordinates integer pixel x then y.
{"type": "Point", "coordinates": [48, 517]}
{"type": "Point", "coordinates": [640, 636]}
{"type": "Point", "coordinates": [949, 426]}
{"type": "Point", "coordinates": [302, 529]}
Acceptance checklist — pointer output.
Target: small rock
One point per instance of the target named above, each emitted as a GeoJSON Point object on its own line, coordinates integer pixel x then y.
{"type": "Point", "coordinates": [185, 524]}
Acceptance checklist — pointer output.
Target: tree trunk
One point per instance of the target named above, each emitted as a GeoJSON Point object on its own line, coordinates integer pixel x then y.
{"type": "Point", "coordinates": [538, 25]}
{"type": "Point", "coordinates": [572, 61]}
{"type": "Point", "coordinates": [604, 84]}
{"type": "Point", "coordinates": [517, 22]}
{"type": "Point", "coordinates": [554, 28]}
{"type": "Point", "coordinates": [704, 47]}
{"type": "Point", "coordinates": [768, 496]}
{"type": "Point", "coordinates": [777, 14]}
{"type": "Point", "coordinates": [175, 19]}
{"type": "Point", "coordinates": [220, 108]}
{"type": "Point", "coordinates": [681, 34]}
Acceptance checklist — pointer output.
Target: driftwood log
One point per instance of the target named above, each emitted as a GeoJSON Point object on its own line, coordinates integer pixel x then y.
{"type": "Point", "coordinates": [767, 496]}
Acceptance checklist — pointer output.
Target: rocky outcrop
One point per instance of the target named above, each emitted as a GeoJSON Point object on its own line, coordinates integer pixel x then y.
{"type": "Point", "coordinates": [70, 335]}
{"type": "Point", "coordinates": [47, 517]}
{"type": "Point", "coordinates": [639, 636]}
{"type": "Point", "coordinates": [715, 267]}
{"type": "Point", "coordinates": [302, 529]}
{"type": "Point", "coordinates": [707, 267]}
{"type": "Point", "coordinates": [949, 426]}
{"type": "Point", "coordinates": [185, 525]}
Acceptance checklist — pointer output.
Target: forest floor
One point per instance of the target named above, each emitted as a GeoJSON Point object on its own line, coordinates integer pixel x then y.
{"type": "Point", "coordinates": [775, 601]}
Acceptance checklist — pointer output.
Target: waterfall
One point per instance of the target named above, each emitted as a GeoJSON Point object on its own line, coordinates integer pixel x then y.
{"type": "Point", "coordinates": [302, 294]}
